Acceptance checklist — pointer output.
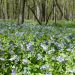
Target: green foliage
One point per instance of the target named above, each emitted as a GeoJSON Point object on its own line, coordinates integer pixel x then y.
{"type": "Point", "coordinates": [36, 50]}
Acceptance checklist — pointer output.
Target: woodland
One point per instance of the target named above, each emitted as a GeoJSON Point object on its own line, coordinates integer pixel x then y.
{"type": "Point", "coordinates": [37, 37]}
{"type": "Point", "coordinates": [37, 10]}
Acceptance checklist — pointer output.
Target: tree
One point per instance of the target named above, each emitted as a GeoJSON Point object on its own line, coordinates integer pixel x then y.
{"type": "Point", "coordinates": [21, 12]}
{"type": "Point", "coordinates": [40, 10]}
{"type": "Point", "coordinates": [43, 10]}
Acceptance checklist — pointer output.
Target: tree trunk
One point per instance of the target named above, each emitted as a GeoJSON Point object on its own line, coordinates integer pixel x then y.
{"type": "Point", "coordinates": [34, 14]}
{"type": "Point", "coordinates": [38, 12]}
{"type": "Point", "coordinates": [21, 15]}
{"type": "Point", "coordinates": [73, 10]}
{"type": "Point", "coordinates": [55, 19]}
{"type": "Point", "coordinates": [43, 11]}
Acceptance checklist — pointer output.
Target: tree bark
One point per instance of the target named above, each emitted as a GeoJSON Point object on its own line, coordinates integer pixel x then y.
{"type": "Point", "coordinates": [34, 15]}
{"type": "Point", "coordinates": [43, 10]}
{"type": "Point", "coordinates": [21, 15]}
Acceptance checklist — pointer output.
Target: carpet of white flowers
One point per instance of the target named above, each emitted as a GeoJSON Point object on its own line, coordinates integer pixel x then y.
{"type": "Point", "coordinates": [36, 50]}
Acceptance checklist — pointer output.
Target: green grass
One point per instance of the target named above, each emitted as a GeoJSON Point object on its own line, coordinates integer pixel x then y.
{"type": "Point", "coordinates": [60, 23]}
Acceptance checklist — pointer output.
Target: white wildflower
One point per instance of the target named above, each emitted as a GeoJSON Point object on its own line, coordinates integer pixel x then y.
{"type": "Point", "coordinates": [13, 58]}
{"type": "Point", "coordinates": [71, 70]}
{"type": "Point", "coordinates": [2, 59]}
{"type": "Point", "coordinates": [44, 46]}
{"type": "Point", "coordinates": [52, 49]}
{"type": "Point", "coordinates": [13, 67]}
{"type": "Point", "coordinates": [49, 52]}
{"type": "Point", "coordinates": [19, 33]}
{"type": "Point", "coordinates": [25, 61]}
{"type": "Point", "coordinates": [22, 47]}
{"type": "Point", "coordinates": [68, 49]}
{"type": "Point", "coordinates": [44, 67]}
{"type": "Point", "coordinates": [53, 58]}
{"type": "Point", "coordinates": [48, 74]}
{"type": "Point", "coordinates": [39, 56]}
{"type": "Point", "coordinates": [60, 59]}
{"type": "Point", "coordinates": [29, 46]}
{"type": "Point", "coordinates": [13, 72]}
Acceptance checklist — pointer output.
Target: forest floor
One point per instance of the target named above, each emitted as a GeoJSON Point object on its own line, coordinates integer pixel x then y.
{"type": "Point", "coordinates": [32, 49]}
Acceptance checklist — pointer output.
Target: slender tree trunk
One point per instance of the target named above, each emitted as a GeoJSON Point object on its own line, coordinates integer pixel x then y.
{"type": "Point", "coordinates": [34, 14]}
{"type": "Point", "coordinates": [59, 8]}
{"type": "Point", "coordinates": [21, 15]}
{"type": "Point", "coordinates": [28, 13]}
{"type": "Point", "coordinates": [73, 10]}
{"type": "Point", "coordinates": [8, 9]}
{"type": "Point", "coordinates": [52, 10]}
{"type": "Point", "coordinates": [38, 12]}
{"type": "Point", "coordinates": [5, 9]}
{"type": "Point", "coordinates": [55, 13]}
{"type": "Point", "coordinates": [63, 9]}
{"type": "Point", "coordinates": [43, 10]}
{"type": "Point", "coordinates": [2, 9]}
